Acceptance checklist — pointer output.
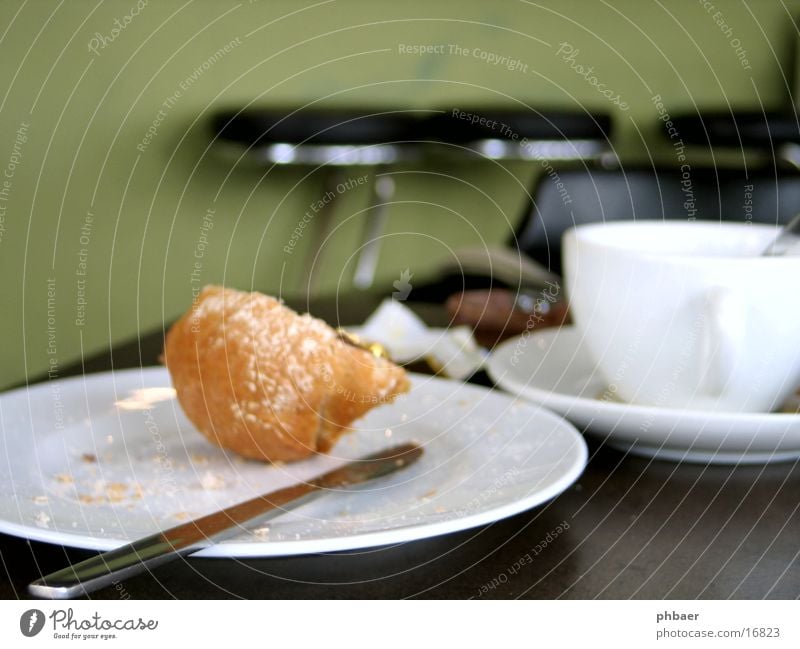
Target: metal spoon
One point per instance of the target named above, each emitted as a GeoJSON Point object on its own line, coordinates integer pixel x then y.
{"type": "Point", "coordinates": [787, 242]}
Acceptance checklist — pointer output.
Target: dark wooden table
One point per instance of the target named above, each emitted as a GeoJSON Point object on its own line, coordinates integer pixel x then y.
{"type": "Point", "coordinates": [638, 528]}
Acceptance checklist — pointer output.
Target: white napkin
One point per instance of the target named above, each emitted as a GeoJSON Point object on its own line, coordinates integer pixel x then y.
{"type": "Point", "coordinates": [452, 351]}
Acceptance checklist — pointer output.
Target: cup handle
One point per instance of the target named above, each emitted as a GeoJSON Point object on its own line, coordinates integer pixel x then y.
{"type": "Point", "coordinates": [722, 338]}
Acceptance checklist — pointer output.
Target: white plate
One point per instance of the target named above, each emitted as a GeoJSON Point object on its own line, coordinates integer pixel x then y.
{"type": "Point", "coordinates": [487, 456]}
{"type": "Point", "coordinates": [553, 368]}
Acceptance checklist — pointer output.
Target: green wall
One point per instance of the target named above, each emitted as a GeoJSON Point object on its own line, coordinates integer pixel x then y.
{"type": "Point", "coordinates": [84, 113]}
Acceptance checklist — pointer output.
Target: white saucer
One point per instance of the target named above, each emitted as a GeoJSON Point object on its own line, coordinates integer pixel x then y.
{"type": "Point", "coordinates": [554, 369]}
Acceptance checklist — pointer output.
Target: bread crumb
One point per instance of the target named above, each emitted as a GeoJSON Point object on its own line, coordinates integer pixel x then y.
{"type": "Point", "coordinates": [42, 519]}
{"type": "Point", "coordinates": [261, 532]}
{"type": "Point", "coordinates": [212, 480]}
{"type": "Point", "coordinates": [116, 492]}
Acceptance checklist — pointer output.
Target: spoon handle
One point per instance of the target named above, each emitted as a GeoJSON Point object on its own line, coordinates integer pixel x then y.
{"type": "Point", "coordinates": [787, 242]}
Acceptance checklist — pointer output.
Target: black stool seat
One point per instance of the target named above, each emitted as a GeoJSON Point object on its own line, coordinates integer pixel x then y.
{"type": "Point", "coordinates": [750, 129]}
{"type": "Point", "coordinates": [463, 126]}
{"type": "Point", "coordinates": [322, 137]}
{"type": "Point", "coordinates": [522, 135]}
{"type": "Point", "coordinates": [307, 136]}
{"type": "Point", "coordinates": [317, 127]}
{"type": "Point", "coordinates": [593, 195]}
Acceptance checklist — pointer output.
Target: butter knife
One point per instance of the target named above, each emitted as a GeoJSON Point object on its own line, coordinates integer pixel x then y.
{"type": "Point", "coordinates": [133, 558]}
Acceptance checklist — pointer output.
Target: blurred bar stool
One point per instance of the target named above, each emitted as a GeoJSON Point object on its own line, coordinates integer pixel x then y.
{"type": "Point", "coordinates": [330, 140]}
{"type": "Point", "coordinates": [523, 135]}
{"type": "Point", "coordinates": [566, 139]}
{"type": "Point", "coordinates": [764, 190]}
{"type": "Point", "coordinates": [638, 192]}
{"type": "Point", "coordinates": [472, 288]}
{"type": "Point", "coordinates": [569, 194]}
{"type": "Point", "coordinates": [774, 133]}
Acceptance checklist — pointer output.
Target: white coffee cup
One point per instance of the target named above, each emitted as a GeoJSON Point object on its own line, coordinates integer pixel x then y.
{"type": "Point", "coordinates": [687, 314]}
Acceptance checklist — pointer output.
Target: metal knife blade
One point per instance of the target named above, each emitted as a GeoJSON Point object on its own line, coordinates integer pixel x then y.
{"type": "Point", "coordinates": [133, 558]}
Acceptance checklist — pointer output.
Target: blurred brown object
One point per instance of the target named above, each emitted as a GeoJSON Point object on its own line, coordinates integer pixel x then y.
{"type": "Point", "coordinates": [792, 404]}
{"type": "Point", "coordinates": [497, 314]}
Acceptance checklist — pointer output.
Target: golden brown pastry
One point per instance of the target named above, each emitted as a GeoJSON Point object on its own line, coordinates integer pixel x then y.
{"type": "Point", "coordinates": [257, 378]}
